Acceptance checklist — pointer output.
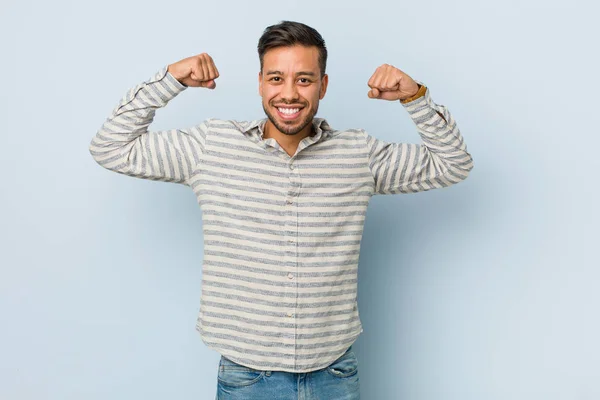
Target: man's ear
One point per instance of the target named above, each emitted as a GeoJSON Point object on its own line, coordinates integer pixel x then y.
{"type": "Point", "coordinates": [260, 83]}
{"type": "Point", "coordinates": [324, 82]}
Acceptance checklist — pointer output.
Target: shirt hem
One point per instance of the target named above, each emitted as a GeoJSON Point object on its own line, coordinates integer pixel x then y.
{"type": "Point", "coordinates": [245, 363]}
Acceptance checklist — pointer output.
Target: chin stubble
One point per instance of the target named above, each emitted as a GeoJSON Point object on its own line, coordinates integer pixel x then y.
{"type": "Point", "coordinates": [285, 129]}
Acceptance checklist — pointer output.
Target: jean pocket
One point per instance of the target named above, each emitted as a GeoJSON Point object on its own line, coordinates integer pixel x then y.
{"type": "Point", "coordinates": [345, 366]}
{"type": "Point", "coordinates": [236, 375]}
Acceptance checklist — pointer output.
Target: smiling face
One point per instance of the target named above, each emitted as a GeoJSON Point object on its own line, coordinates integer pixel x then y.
{"type": "Point", "coordinates": [291, 86]}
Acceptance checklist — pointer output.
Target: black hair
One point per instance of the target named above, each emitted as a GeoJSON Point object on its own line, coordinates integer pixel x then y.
{"type": "Point", "coordinates": [290, 33]}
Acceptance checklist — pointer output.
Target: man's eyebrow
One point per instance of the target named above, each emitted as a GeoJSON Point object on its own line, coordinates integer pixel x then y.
{"type": "Point", "coordinates": [309, 73]}
{"type": "Point", "coordinates": [275, 72]}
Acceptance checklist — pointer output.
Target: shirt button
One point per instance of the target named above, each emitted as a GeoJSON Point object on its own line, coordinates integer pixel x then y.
{"type": "Point", "coordinates": [290, 275]}
{"type": "Point", "coordinates": [289, 201]}
{"type": "Point", "coordinates": [291, 166]}
{"type": "Point", "coordinates": [290, 314]}
{"type": "Point", "coordinates": [291, 241]}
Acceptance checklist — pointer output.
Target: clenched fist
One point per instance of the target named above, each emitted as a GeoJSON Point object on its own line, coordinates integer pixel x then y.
{"type": "Point", "coordinates": [389, 83]}
{"type": "Point", "coordinates": [195, 71]}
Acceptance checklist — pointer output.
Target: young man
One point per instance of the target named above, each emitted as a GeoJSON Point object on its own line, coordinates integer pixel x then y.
{"type": "Point", "coordinates": [283, 203]}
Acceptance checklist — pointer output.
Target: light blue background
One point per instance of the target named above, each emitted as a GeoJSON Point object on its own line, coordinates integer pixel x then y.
{"type": "Point", "coordinates": [484, 290]}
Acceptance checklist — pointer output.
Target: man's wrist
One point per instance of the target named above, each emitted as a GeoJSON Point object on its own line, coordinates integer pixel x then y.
{"type": "Point", "coordinates": [420, 92]}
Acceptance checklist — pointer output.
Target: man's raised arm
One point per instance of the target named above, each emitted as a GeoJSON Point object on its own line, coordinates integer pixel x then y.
{"type": "Point", "coordinates": [440, 160]}
{"type": "Point", "coordinates": [124, 145]}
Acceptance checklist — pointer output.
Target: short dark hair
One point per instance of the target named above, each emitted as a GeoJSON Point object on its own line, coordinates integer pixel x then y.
{"type": "Point", "coordinates": [290, 33]}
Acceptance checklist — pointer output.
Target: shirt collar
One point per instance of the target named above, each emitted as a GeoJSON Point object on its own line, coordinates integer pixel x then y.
{"type": "Point", "coordinates": [320, 124]}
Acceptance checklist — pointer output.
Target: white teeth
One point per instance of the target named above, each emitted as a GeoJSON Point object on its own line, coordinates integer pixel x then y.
{"type": "Point", "coordinates": [288, 111]}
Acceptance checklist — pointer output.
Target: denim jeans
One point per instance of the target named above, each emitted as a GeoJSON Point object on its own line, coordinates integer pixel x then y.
{"type": "Point", "coordinates": [338, 381]}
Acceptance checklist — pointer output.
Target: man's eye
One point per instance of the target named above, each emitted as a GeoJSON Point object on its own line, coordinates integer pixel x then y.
{"type": "Point", "coordinates": [275, 78]}
{"type": "Point", "coordinates": [303, 80]}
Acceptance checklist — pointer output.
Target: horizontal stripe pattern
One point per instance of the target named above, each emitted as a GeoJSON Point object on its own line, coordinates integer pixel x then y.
{"type": "Point", "coordinates": [282, 233]}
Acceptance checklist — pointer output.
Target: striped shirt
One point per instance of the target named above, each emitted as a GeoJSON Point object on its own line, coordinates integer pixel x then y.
{"type": "Point", "coordinates": [281, 233]}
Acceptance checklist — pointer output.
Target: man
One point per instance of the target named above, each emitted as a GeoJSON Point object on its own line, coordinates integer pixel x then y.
{"type": "Point", "coordinates": [283, 203]}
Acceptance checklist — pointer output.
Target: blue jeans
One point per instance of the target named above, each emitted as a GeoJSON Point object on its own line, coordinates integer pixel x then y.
{"type": "Point", "coordinates": [338, 381]}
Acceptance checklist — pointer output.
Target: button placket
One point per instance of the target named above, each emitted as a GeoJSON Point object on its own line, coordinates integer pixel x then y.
{"type": "Point", "coordinates": [291, 228]}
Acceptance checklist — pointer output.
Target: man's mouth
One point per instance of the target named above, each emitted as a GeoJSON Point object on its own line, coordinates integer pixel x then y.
{"type": "Point", "coordinates": [289, 112]}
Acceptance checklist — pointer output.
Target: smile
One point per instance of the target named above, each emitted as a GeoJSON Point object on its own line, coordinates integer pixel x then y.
{"type": "Point", "coordinates": [288, 113]}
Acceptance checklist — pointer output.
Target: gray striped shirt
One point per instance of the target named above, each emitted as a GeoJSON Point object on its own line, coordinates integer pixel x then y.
{"type": "Point", "coordinates": [281, 233]}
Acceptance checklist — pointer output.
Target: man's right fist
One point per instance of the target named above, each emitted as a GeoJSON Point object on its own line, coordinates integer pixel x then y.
{"type": "Point", "coordinates": [195, 71]}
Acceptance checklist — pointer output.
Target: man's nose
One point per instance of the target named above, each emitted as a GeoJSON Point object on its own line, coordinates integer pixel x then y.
{"type": "Point", "coordinates": [289, 91]}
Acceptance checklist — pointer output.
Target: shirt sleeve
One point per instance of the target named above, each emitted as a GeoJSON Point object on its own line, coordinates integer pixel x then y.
{"type": "Point", "coordinates": [439, 161]}
{"type": "Point", "coordinates": [125, 145]}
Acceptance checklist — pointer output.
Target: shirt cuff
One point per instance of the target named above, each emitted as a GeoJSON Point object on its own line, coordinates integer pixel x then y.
{"type": "Point", "coordinates": [165, 74]}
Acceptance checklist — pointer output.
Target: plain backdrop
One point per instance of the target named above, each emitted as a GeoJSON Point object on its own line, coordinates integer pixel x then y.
{"type": "Point", "coordinates": [484, 290]}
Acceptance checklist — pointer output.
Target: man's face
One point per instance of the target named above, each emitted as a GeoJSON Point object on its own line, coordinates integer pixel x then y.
{"type": "Point", "coordinates": [291, 86]}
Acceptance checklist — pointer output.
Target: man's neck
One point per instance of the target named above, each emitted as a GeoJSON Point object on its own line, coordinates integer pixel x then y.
{"type": "Point", "coordinates": [288, 142]}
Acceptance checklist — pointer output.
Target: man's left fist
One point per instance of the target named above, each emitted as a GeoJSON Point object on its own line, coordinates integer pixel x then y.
{"type": "Point", "coordinates": [389, 83]}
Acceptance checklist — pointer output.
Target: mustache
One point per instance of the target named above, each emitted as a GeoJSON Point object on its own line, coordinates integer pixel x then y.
{"type": "Point", "coordinates": [303, 104]}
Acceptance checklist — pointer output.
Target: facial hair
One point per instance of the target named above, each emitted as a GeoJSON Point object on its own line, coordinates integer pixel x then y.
{"type": "Point", "coordinates": [290, 129]}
